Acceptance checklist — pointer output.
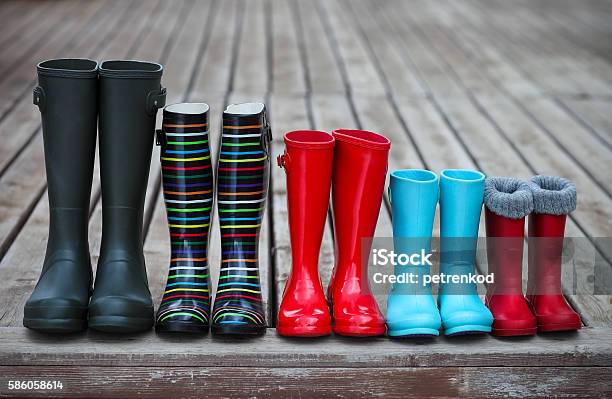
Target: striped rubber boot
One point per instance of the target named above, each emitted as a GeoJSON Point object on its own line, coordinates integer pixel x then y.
{"type": "Point", "coordinates": [188, 194]}
{"type": "Point", "coordinates": [242, 185]}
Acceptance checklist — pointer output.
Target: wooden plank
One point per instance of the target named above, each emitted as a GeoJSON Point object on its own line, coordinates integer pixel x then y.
{"type": "Point", "coordinates": [21, 347]}
{"type": "Point", "coordinates": [16, 78]}
{"type": "Point", "coordinates": [416, 55]}
{"type": "Point", "coordinates": [252, 71]}
{"type": "Point", "coordinates": [352, 58]}
{"type": "Point", "coordinates": [594, 114]}
{"type": "Point", "coordinates": [287, 69]}
{"type": "Point", "coordinates": [16, 16]}
{"type": "Point", "coordinates": [150, 382]}
{"type": "Point", "coordinates": [213, 75]}
{"type": "Point", "coordinates": [393, 71]}
{"type": "Point", "coordinates": [540, 58]}
{"type": "Point", "coordinates": [322, 70]}
{"type": "Point", "coordinates": [559, 37]}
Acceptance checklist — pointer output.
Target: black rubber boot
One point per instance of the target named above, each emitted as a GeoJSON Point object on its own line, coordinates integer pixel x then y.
{"type": "Point", "coordinates": [130, 95]}
{"type": "Point", "coordinates": [242, 191]}
{"type": "Point", "coordinates": [188, 193]}
{"type": "Point", "coordinates": [67, 96]}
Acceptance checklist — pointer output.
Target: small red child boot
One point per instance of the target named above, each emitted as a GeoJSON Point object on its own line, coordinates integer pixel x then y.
{"type": "Point", "coordinates": [553, 199]}
{"type": "Point", "coordinates": [507, 202]}
{"type": "Point", "coordinates": [308, 161]}
{"type": "Point", "coordinates": [360, 168]}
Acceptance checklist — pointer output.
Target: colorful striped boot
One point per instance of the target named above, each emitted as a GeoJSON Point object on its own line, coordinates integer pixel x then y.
{"type": "Point", "coordinates": [188, 194]}
{"type": "Point", "coordinates": [242, 186]}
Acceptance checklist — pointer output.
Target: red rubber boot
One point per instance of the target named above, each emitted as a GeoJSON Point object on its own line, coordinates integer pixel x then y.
{"type": "Point", "coordinates": [308, 162]}
{"type": "Point", "coordinates": [360, 168]}
{"type": "Point", "coordinates": [553, 199]}
{"type": "Point", "coordinates": [507, 202]}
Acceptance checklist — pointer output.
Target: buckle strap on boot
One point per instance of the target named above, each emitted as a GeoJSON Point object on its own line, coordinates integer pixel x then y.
{"type": "Point", "coordinates": [156, 99]}
{"type": "Point", "coordinates": [39, 98]}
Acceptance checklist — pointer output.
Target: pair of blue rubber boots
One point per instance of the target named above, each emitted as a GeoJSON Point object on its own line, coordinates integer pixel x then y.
{"type": "Point", "coordinates": [411, 308]}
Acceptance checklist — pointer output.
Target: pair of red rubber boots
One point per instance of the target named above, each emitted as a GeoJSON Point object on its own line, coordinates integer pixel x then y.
{"type": "Point", "coordinates": [546, 200]}
{"type": "Point", "coordinates": [356, 162]}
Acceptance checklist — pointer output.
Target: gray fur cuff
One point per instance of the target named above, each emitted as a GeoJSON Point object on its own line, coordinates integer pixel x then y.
{"type": "Point", "coordinates": [553, 195]}
{"type": "Point", "coordinates": [508, 197]}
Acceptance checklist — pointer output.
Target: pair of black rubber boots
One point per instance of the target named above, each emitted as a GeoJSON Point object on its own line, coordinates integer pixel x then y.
{"type": "Point", "coordinates": [126, 96]}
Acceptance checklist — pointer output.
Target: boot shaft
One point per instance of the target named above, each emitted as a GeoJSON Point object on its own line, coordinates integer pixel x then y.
{"type": "Point", "coordinates": [414, 197]}
{"type": "Point", "coordinates": [360, 168]}
{"type": "Point", "coordinates": [507, 202]}
{"type": "Point", "coordinates": [130, 95]}
{"type": "Point", "coordinates": [554, 198]}
{"type": "Point", "coordinates": [307, 161]}
{"type": "Point", "coordinates": [461, 197]}
{"type": "Point", "coordinates": [67, 97]}
{"type": "Point", "coordinates": [545, 245]}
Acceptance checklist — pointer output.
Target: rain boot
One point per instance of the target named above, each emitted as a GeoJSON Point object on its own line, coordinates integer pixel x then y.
{"type": "Point", "coordinates": [188, 194]}
{"type": "Point", "coordinates": [67, 97]}
{"type": "Point", "coordinates": [308, 162]}
{"type": "Point", "coordinates": [130, 95]}
{"type": "Point", "coordinates": [553, 199]}
{"type": "Point", "coordinates": [507, 202]}
{"type": "Point", "coordinates": [411, 308]}
{"type": "Point", "coordinates": [242, 191]}
{"type": "Point", "coordinates": [360, 168]}
{"type": "Point", "coordinates": [461, 196]}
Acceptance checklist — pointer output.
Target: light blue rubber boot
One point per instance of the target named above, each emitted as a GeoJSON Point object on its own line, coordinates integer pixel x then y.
{"type": "Point", "coordinates": [411, 308]}
{"type": "Point", "coordinates": [461, 196]}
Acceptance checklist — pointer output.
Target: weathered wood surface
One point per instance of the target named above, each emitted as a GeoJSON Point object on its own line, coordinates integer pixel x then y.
{"type": "Point", "coordinates": [337, 382]}
{"type": "Point", "coordinates": [515, 87]}
{"type": "Point", "coordinates": [20, 347]}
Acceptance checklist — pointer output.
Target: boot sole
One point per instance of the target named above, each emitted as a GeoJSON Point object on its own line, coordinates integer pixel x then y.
{"type": "Point", "coordinates": [507, 332]}
{"type": "Point", "coordinates": [413, 332]}
{"type": "Point", "coordinates": [182, 327]}
{"type": "Point", "coordinates": [303, 331]}
{"type": "Point", "coordinates": [120, 324]}
{"type": "Point", "coordinates": [359, 331]}
{"type": "Point", "coordinates": [467, 330]}
{"type": "Point", "coordinates": [56, 325]}
{"type": "Point", "coordinates": [237, 331]}
{"type": "Point", "coordinates": [559, 327]}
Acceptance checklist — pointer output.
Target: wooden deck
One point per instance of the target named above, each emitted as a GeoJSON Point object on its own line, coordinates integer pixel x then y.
{"type": "Point", "coordinates": [517, 88]}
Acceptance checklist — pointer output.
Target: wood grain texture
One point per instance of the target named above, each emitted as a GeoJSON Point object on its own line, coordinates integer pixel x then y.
{"type": "Point", "coordinates": [510, 87]}
{"type": "Point", "coordinates": [21, 347]}
{"type": "Point", "coordinates": [434, 382]}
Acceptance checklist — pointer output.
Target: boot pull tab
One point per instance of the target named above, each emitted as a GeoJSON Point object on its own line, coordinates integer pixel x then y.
{"type": "Point", "coordinates": [266, 138]}
{"type": "Point", "coordinates": [39, 98]}
{"type": "Point", "coordinates": [160, 137]}
{"type": "Point", "coordinates": [156, 99]}
{"type": "Point", "coordinates": [283, 161]}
